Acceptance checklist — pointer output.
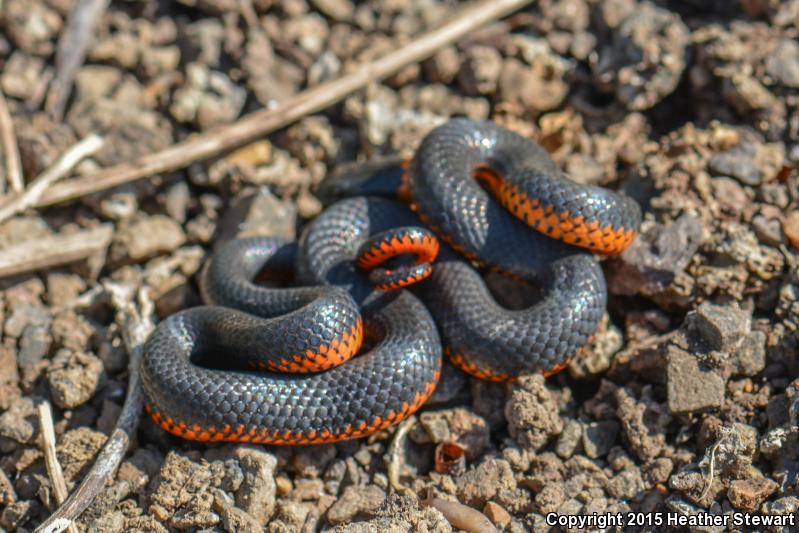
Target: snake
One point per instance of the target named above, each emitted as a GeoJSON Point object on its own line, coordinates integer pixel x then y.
{"type": "Point", "coordinates": [383, 288]}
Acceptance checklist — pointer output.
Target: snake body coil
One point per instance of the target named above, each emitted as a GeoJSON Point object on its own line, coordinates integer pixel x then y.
{"type": "Point", "coordinates": [351, 258]}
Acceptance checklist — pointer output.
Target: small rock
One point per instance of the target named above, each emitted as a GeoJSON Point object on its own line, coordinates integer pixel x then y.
{"type": "Point", "coordinates": [355, 500]}
{"type": "Point", "coordinates": [782, 506]}
{"type": "Point", "coordinates": [34, 345]}
{"type": "Point", "coordinates": [63, 288]}
{"type": "Point", "coordinates": [209, 98]}
{"type": "Point", "coordinates": [74, 377]}
{"type": "Point", "coordinates": [768, 230]}
{"type": "Point", "coordinates": [720, 328]}
{"type": "Point", "coordinates": [783, 63]}
{"type": "Point", "coordinates": [569, 439]}
{"type": "Point", "coordinates": [7, 494]}
{"type": "Point", "coordinates": [9, 378]}
{"type": "Point", "coordinates": [747, 495]}
{"type": "Point", "coordinates": [652, 263]}
{"type": "Point", "coordinates": [21, 75]}
{"type": "Point", "coordinates": [96, 81]}
{"type": "Point", "coordinates": [457, 425]}
{"type": "Point", "coordinates": [791, 228]}
{"type": "Point", "coordinates": [750, 356]}
{"type": "Point", "coordinates": [659, 470]}
{"type": "Point", "coordinates": [15, 516]}
{"type": "Point", "coordinates": [626, 485]}
{"type": "Point", "coordinates": [233, 518]}
{"type": "Point", "coordinates": [737, 162]}
{"type": "Point", "coordinates": [482, 483]}
{"type": "Point", "coordinates": [536, 81]}
{"type": "Point", "coordinates": [256, 495]}
{"type": "Point", "coordinates": [497, 514]}
{"type": "Point", "coordinates": [24, 315]}
{"type": "Point", "coordinates": [146, 238]}
{"type": "Point", "coordinates": [339, 10]}
{"type": "Point", "coordinates": [256, 212]}
{"type": "Point", "coordinates": [645, 56]}
{"type": "Point", "coordinates": [730, 195]}
{"type": "Point", "coordinates": [599, 437]}
{"type": "Point", "coordinates": [444, 65]}
{"type": "Point", "coordinates": [480, 70]}
{"type": "Point", "coordinates": [691, 388]}
{"type": "Point", "coordinates": [532, 413]}
{"type": "Point", "coordinates": [76, 451]}
{"type": "Point", "coordinates": [18, 424]}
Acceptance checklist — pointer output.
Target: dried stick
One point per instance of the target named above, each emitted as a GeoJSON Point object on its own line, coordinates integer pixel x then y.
{"type": "Point", "coordinates": [10, 149]}
{"type": "Point", "coordinates": [136, 325]}
{"type": "Point", "coordinates": [259, 123]}
{"type": "Point", "coordinates": [50, 459]}
{"type": "Point", "coordinates": [61, 249]}
{"type": "Point", "coordinates": [72, 46]}
{"type": "Point", "coordinates": [395, 456]}
{"type": "Point", "coordinates": [61, 168]}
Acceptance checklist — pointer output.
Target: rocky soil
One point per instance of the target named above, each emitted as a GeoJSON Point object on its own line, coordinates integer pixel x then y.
{"type": "Point", "coordinates": [686, 402]}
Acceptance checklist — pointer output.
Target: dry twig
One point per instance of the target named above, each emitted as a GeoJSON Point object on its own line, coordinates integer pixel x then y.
{"type": "Point", "coordinates": [313, 100]}
{"type": "Point", "coordinates": [10, 149]}
{"type": "Point", "coordinates": [61, 249]}
{"type": "Point", "coordinates": [136, 324]}
{"type": "Point", "coordinates": [61, 168]}
{"type": "Point", "coordinates": [50, 459]}
{"type": "Point", "coordinates": [395, 455]}
{"type": "Point", "coordinates": [72, 46]}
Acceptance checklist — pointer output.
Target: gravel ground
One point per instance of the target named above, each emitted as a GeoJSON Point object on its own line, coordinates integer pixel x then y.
{"type": "Point", "coordinates": [687, 401]}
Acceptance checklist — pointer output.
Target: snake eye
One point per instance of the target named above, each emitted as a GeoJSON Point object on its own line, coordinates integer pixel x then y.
{"type": "Point", "coordinates": [398, 257]}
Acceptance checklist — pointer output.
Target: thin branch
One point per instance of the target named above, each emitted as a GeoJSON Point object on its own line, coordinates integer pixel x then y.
{"type": "Point", "coordinates": [72, 46]}
{"type": "Point", "coordinates": [136, 323]}
{"type": "Point", "coordinates": [10, 149]}
{"type": "Point", "coordinates": [60, 249]}
{"type": "Point", "coordinates": [61, 168]}
{"type": "Point", "coordinates": [50, 459]}
{"type": "Point", "coordinates": [395, 456]}
{"type": "Point", "coordinates": [260, 123]}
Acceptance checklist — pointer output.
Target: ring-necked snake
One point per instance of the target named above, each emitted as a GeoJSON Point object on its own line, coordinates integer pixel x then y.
{"type": "Point", "coordinates": [271, 365]}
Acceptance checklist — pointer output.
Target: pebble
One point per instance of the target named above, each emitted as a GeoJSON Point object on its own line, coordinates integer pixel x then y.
{"type": "Point", "coordinates": [656, 257]}
{"type": "Point", "coordinates": [15, 516]}
{"type": "Point", "coordinates": [783, 63]}
{"type": "Point", "coordinates": [768, 230]}
{"type": "Point", "coordinates": [339, 10]}
{"type": "Point", "coordinates": [497, 514]}
{"type": "Point", "coordinates": [532, 413]}
{"type": "Point", "coordinates": [690, 388]}
{"type": "Point", "coordinates": [257, 212]}
{"type": "Point", "coordinates": [74, 378]}
{"type": "Point", "coordinates": [354, 501]}
{"type": "Point", "coordinates": [646, 56]}
{"type": "Point", "coordinates": [77, 450]}
{"type": "Point", "coordinates": [739, 163]}
{"type": "Point", "coordinates": [480, 70]}
{"type": "Point", "coordinates": [456, 425]}
{"type": "Point", "coordinates": [599, 437]}
{"type": "Point", "coordinates": [719, 327]}
{"type": "Point", "coordinates": [482, 483]}
{"type": "Point", "coordinates": [34, 345]}
{"type": "Point", "coordinates": [791, 228]}
{"type": "Point", "coordinates": [145, 238]}
{"type": "Point", "coordinates": [748, 494]}
{"type": "Point", "coordinates": [63, 288]}
{"type": "Point", "coordinates": [256, 495]}
{"type": "Point", "coordinates": [18, 424]}
{"type": "Point", "coordinates": [9, 378]}
{"type": "Point", "coordinates": [569, 439]}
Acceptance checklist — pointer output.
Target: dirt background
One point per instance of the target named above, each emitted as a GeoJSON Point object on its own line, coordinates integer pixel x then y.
{"type": "Point", "coordinates": [687, 401]}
